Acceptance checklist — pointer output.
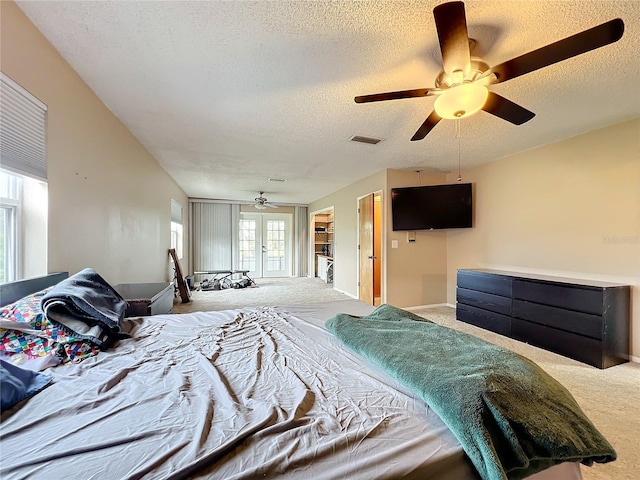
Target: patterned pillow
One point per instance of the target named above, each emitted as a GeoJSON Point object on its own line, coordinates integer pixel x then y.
{"type": "Point", "coordinates": [25, 310]}
{"type": "Point", "coordinates": [47, 338]}
{"type": "Point", "coordinates": [28, 313]}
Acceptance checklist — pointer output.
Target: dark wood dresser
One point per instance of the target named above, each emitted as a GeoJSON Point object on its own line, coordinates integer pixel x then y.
{"type": "Point", "coordinates": [584, 320]}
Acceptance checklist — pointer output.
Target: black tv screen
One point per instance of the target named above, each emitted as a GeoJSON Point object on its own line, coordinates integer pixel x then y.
{"type": "Point", "coordinates": [431, 207]}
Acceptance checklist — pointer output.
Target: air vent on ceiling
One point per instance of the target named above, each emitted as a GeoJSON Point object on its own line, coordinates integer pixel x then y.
{"type": "Point", "coordinates": [369, 140]}
{"type": "Point", "coordinates": [272, 179]}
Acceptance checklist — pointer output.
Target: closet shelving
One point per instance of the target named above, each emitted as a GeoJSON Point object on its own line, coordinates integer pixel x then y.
{"type": "Point", "coordinates": [323, 233]}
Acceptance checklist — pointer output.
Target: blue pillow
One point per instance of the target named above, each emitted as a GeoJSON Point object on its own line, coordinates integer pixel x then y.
{"type": "Point", "coordinates": [16, 383]}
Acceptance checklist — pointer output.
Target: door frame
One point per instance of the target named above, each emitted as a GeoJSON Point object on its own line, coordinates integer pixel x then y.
{"type": "Point", "coordinates": [311, 270]}
{"type": "Point", "coordinates": [383, 235]}
{"type": "Point", "coordinates": [260, 226]}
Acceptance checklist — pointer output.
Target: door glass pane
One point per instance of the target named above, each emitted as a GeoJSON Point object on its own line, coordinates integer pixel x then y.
{"type": "Point", "coordinates": [247, 246]}
{"type": "Point", "coordinates": [275, 245]}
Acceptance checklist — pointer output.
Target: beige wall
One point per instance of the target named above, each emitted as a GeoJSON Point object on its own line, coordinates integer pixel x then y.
{"type": "Point", "coordinates": [281, 209]}
{"type": "Point", "coordinates": [416, 271]}
{"type": "Point", "coordinates": [345, 256]}
{"type": "Point", "coordinates": [109, 200]}
{"type": "Point", "coordinates": [412, 274]}
{"type": "Point", "coordinates": [567, 209]}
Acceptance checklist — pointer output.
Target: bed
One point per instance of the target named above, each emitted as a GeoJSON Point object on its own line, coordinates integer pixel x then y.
{"type": "Point", "coordinates": [258, 392]}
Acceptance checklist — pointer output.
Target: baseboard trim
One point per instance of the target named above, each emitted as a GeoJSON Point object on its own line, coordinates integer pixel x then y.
{"type": "Point", "coordinates": [634, 359]}
{"type": "Point", "coordinates": [345, 293]}
{"type": "Point", "coordinates": [423, 307]}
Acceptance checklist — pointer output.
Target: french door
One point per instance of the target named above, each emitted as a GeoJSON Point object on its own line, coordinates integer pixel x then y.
{"type": "Point", "coordinates": [264, 244]}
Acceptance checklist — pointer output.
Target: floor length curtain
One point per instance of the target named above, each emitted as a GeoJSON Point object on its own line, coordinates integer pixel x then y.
{"type": "Point", "coordinates": [301, 253]}
{"type": "Point", "coordinates": [214, 245]}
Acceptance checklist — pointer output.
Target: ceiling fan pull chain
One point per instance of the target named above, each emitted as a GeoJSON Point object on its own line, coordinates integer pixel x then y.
{"type": "Point", "coordinates": [459, 135]}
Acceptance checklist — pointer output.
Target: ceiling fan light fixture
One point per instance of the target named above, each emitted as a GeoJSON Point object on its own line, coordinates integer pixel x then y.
{"type": "Point", "coordinates": [461, 101]}
{"type": "Point", "coordinates": [262, 203]}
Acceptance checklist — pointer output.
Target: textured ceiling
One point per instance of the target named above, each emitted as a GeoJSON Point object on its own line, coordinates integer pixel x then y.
{"type": "Point", "coordinates": [227, 94]}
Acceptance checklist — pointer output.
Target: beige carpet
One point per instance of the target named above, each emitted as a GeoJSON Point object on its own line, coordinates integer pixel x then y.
{"type": "Point", "coordinates": [611, 397]}
{"type": "Point", "coordinates": [268, 292]}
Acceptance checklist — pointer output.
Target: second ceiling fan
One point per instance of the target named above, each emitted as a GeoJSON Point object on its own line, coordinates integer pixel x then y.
{"type": "Point", "coordinates": [461, 88]}
{"type": "Point", "coordinates": [262, 202]}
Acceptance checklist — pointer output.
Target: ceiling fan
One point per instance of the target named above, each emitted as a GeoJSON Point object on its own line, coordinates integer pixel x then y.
{"type": "Point", "coordinates": [262, 203]}
{"type": "Point", "coordinates": [462, 87]}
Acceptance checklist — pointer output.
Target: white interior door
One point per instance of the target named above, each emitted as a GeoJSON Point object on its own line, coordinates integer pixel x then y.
{"type": "Point", "coordinates": [264, 244]}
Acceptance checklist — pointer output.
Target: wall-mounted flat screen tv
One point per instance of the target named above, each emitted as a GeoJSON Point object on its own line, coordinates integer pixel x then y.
{"type": "Point", "coordinates": [432, 207]}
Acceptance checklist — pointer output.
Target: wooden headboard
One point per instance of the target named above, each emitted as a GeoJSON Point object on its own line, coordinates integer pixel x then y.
{"type": "Point", "coordinates": [10, 292]}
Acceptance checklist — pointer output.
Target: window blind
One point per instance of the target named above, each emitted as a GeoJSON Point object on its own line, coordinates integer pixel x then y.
{"type": "Point", "coordinates": [23, 142]}
{"type": "Point", "coordinates": [213, 231]}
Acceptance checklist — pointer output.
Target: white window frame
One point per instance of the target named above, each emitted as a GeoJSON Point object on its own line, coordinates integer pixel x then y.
{"type": "Point", "coordinates": [11, 204]}
{"type": "Point", "coordinates": [177, 230]}
{"type": "Point", "coordinates": [23, 152]}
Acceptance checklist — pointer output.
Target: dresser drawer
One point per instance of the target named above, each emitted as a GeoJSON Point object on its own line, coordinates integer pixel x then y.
{"type": "Point", "coordinates": [578, 347]}
{"type": "Point", "coordinates": [484, 319]}
{"type": "Point", "coordinates": [483, 282]}
{"type": "Point", "coordinates": [580, 299]}
{"type": "Point", "coordinates": [567, 320]}
{"type": "Point", "coordinates": [486, 301]}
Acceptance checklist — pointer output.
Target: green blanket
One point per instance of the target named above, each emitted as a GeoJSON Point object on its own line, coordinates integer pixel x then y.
{"type": "Point", "coordinates": [511, 417]}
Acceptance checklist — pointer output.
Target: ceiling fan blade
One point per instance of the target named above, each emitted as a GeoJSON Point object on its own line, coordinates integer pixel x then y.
{"type": "Point", "coordinates": [506, 109]}
{"type": "Point", "coordinates": [270, 205]}
{"type": "Point", "coordinates": [378, 97]}
{"type": "Point", "coordinates": [572, 46]}
{"type": "Point", "coordinates": [451, 24]}
{"type": "Point", "coordinates": [431, 121]}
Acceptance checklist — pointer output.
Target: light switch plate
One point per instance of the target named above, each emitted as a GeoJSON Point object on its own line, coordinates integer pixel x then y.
{"type": "Point", "coordinates": [394, 243]}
